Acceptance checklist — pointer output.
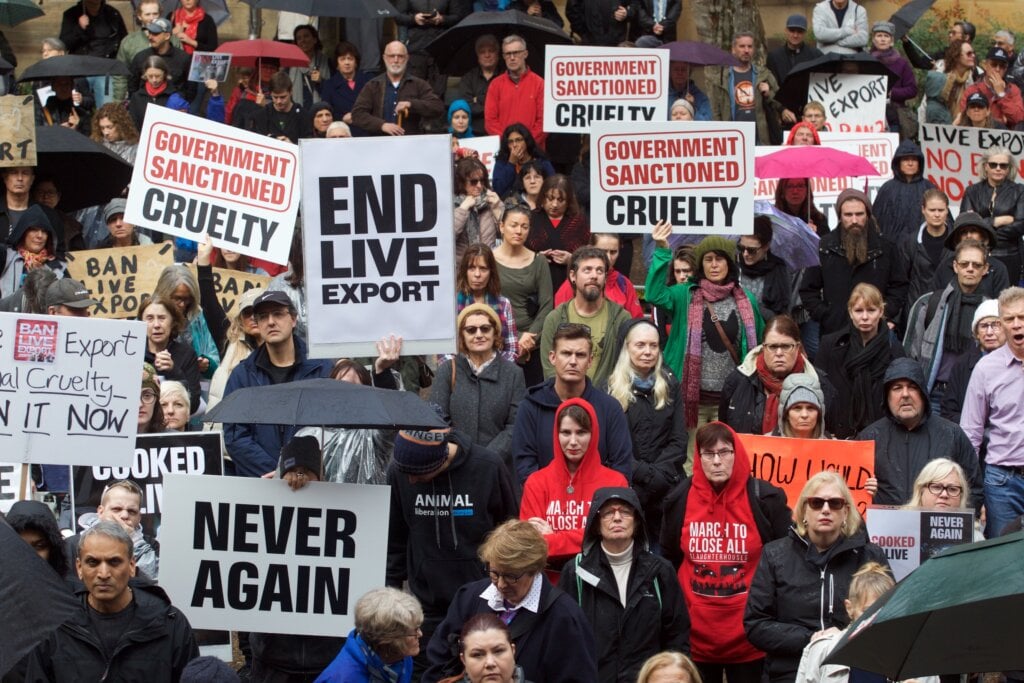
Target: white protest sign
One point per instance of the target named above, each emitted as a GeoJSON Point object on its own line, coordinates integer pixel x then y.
{"type": "Point", "coordinates": [253, 553]}
{"type": "Point", "coordinates": [69, 389]}
{"type": "Point", "coordinates": [195, 177]}
{"type": "Point", "coordinates": [853, 102]}
{"type": "Point", "coordinates": [952, 154]}
{"type": "Point", "coordinates": [909, 536]}
{"type": "Point", "coordinates": [584, 85]}
{"type": "Point", "coordinates": [14, 484]}
{"type": "Point", "coordinates": [486, 147]}
{"type": "Point", "coordinates": [699, 175]}
{"type": "Point", "coordinates": [379, 246]}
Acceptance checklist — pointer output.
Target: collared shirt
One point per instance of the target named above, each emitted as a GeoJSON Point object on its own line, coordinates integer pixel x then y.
{"type": "Point", "coordinates": [993, 407]}
{"type": "Point", "coordinates": [492, 596]}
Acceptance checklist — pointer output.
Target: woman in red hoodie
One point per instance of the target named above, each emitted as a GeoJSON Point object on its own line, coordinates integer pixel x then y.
{"type": "Point", "coordinates": [714, 527]}
{"type": "Point", "coordinates": [556, 498]}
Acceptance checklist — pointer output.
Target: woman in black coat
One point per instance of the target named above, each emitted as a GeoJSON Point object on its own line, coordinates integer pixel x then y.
{"type": "Point", "coordinates": [173, 359]}
{"type": "Point", "coordinates": [997, 197]}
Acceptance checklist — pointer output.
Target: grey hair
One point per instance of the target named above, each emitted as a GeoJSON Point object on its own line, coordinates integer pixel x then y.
{"type": "Point", "coordinates": [109, 529]}
{"type": "Point", "coordinates": [55, 44]}
{"type": "Point", "coordinates": [172, 276]}
{"type": "Point", "coordinates": [1005, 35]}
{"type": "Point", "coordinates": [339, 125]}
{"type": "Point", "coordinates": [513, 38]}
{"type": "Point", "coordinates": [384, 617]}
{"type": "Point", "coordinates": [994, 152]}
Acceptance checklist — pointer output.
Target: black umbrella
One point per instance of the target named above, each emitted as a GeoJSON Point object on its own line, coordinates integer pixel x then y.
{"type": "Point", "coordinates": [357, 9]}
{"type": "Point", "coordinates": [455, 49]}
{"type": "Point", "coordinates": [5, 66]}
{"type": "Point", "coordinates": [325, 403]}
{"type": "Point", "coordinates": [85, 172]}
{"type": "Point", "coordinates": [695, 52]}
{"type": "Point", "coordinates": [13, 12]}
{"type": "Point", "coordinates": [905, 17]}
{"type": "Point", "coordinates": [793, 93]}
{"type": "Point", "coordinates": [36, 601]}
{"type": "Point", "coordinates": [75, 66]}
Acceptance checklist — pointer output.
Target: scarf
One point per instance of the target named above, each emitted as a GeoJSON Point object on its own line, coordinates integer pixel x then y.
{"type": "Point", "coordinates": [952, 89]}
{"type": "Point", "coordinates": [473, 221]}
{"type": "Point", "coordinates": [191, 21]}
{"type": "Point", "coordinates": [959, 336]}
{"type": "Point", "coordinates": [33, 261]}
{"type": "Point", "coordinates": [155, 92]}
{"type": "Point", "coordinates": [773, 387]}
{"type": "Point", "coordinates": [711, 292]}
{"type": "Point", "coordinates": [865, 366]}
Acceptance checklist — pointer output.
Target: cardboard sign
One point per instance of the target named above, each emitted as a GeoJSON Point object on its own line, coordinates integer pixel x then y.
{"type": "Point", "coordinates": [584, 85]}
{"type": "Point", "coordinates": [156, 455]}
{"type": "Point", "coordinates": [378, 243]}
{"type": "Point", "coordinates": [209, 66]}
{"type": "Point", "coordinates": [17, 131]}
{"type": "Point", "coordinates": [699, 175]}
{"type": "Point", "coordinates": [252, 552]}
{"type": "Point", "coordinates": [486, 147]}
{"type": "Point", "coordinates": [194, 177]}
{"type": "Point", "coordinates": [790, 463]}
{"type": "Point", "coordinates": [854, 102]}
{"type": "Point", "coordinates": [909, 536]}
{"type": "Point", "coordinates": [119, 277]}
{"type": "Point", "coordinates": [69, 388]}
{"type": "Point", "coordinates": [231, 284]}
{"type": "Point", "coordinates": [14, 484]}
{"type": "Point", "coordinates": [952, 155]}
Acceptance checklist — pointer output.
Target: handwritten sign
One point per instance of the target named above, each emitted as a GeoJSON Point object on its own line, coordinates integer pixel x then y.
{"type": "Point", "coordinates": [17, 131]}
{"type": "Point", "coordinates": [909, 536]}
{"type": "Point", "coordinates": [854, 102]}
{"type": "Point", "coordinates": [789, 463]}
{"type": "Point", "coordinates": [119, 277]}
{"type": "Point", "coordinates": [231, 284]}
{"type": "Point", "coordinates": [952, 155]}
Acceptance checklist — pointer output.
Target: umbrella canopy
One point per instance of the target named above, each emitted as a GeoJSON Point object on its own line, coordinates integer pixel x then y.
{"type": "Point", "coordinates": [455, 49]}
{"type": "Point", "coordinates": [326, 403]}
{"type": "Point", "coordinates": [357, 9]}
{"type": "Point", "coordinates": [75, 66]}
{"type": "Point", "coordinates": [68, 157]}
{"type": "Point", "coordinates": [216, 9]}
{"type": "Point", "coordinates": [905, 17]}
{"type": "Point", "coordinates": [792, 239]}
{"type": "Point", "coordinates": [5, 66]}
{"type": "Point", "coordinates": [13, 12]}
{"type": "Point", "coordinates": [812, 161]}
{"type": "Point", "coordinates": [703, 54]}
{"type": "Point", "coordinates": [959, 612]}
{"type": "Point", "coordinates": [249, 52]}
{"type": "Point", "coordinates": [793, 91]}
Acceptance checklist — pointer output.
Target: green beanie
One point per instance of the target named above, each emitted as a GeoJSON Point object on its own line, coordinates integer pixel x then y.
{"type": "Point", "coordinates": [715, 243]}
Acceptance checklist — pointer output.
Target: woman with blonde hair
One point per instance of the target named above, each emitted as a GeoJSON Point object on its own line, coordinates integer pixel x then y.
{"type": "Point", "coordinates": [174, 401]}
{"type": "Point", "coordinates": [940, 484]}
{"type": "Point", "coordinates": [999, 199]}
{"type": "Point", "coordinates": [669, 667]}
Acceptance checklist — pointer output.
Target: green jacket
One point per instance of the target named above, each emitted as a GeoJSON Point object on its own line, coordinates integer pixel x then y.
{"type": "Point", "coordinates": [617, 315]}
{"type": "Point", "coordinates": [677, 300]}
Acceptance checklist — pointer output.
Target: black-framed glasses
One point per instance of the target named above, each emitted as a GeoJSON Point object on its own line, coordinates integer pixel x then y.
{"type": "Point", "coordinates": [148, 396]}
{"type": "Point", "coordinates": [951, 490]}
{"type": "Point", "coordinates": [510, 579]}
{"type": "Point", "coordinates": [482, 329]}
{"type": "Point", "coordinates": [816, 503]}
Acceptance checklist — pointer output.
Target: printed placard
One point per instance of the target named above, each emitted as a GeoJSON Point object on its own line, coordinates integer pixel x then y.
{"type": "Point", "coordinates": [14, 484]}
{"type": "Point", "coordinates": [69, 388]}
{"type": "Point", "coordinates": [486, 147]}
{"type": "Point", "coordinates": [17, 131]}
{"type": "Point", "coordinates": [909, 536]}
{"type": "Point", "coordinates": [208, 66]}
{"type": "Point", "coordinates": [194, 177]}
{"type": "Point", "coordinates": [252, 552]}
{"type": "Point", "coordinates": [699, 175]}
{"type": "Point", "coordinates": [379, 246]}
{"type": "Point", "coordinates": [854, 102]}
{"type": "Point", "coordinates": [119, 277]}
{"type": "Point", "coordinates": [584, 85]}
{"type": "Point", "coordinates": [952, 155]}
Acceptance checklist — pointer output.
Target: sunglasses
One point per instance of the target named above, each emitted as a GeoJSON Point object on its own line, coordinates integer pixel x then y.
{"type": "Point", "coordinates": [474, 181]}
{"type": "Point", "coordinates": [482, 329]}
{"type": "Point", "coordinates": [1001, 165]}
{"type": "Point", "coordinates": [747, 250]}
{"type": "Point", "coordinates": [816, 503]}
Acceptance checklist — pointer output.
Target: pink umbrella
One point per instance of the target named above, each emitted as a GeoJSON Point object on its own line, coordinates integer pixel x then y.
{"type": "Point", "coordinates": [249, 52]}
{"type": "Point", "coordinates": [812, 161]}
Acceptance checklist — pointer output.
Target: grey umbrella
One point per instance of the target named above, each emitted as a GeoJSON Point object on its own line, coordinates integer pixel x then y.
{"type": "Point", "coordinates": [13, 12]}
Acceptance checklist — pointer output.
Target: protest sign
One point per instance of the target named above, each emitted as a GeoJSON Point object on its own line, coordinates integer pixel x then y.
{"type": "Point", "coordinates": [699, 175]}
{"type": "Point", "coordinates": [14, 484]}
{"type": "Point", "coordinates": [584, 85]}
{"type": "Point", "coordinates": [119, 277]}
{"type": "Point", "coordinates": [909, 536]}
{"type": "Point", "coordinates": [208, 66]}
{"type": "Point", "coordinates": [156, 455]}
{"type": "Point", "coordinates": [952, 155]}
{"type": "Point", "coordinates": [253, 552]}
{"type": "Point", "coordinates": [69, 388]}
{"type": "Point", "coordinates": [17, 131]}
{"type": "Point", "coordinates": [231, 284]}
{"type": "Point", "coordinates": [789, 463]}
{"type": "Point", "coordinates": [854, 102]}
{"type": "Point", "coordinates": [379, 245]}
{"type": "Point", "coordinates": [194, 177]}
{"type": "Point", "coordinates": [486, 146]}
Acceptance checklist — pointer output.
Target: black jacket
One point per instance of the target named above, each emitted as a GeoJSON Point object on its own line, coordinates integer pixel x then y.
{"type": "Point", "coordinates": [782, 60]}
{"type": "Point", "coordinates": [646, 19]}
{"type": "Point", "coordinates": [897, 206]}
{"type": "Point", "coordinates": [775, 288]}
{"type": "Point", "coordinates": [156, 647]}
{"type": "Point", "coordinates": [654, 617]}
{"type": "Point", "coordinates": [594, 21]}
{"type": "Point", "coordinates": [185, 370]}
{"type": "Point", "coordinates": [100, 39]}
{"type": "Point", "coordinates": [797, 591]}
{"type": "Point", "coordinates": [1009, 202]}
{"type": "Point", "coordinates": [956, 390]}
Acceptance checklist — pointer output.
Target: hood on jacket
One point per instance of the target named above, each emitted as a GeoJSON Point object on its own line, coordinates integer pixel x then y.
{"type": "Point", "coordinates": [591, 457]}
{"type": "Point", "coordinates": [460, 105]}
{"type": "Point", "coordinates": [736, 487]}
{"type": "Point", "coordinates": [32, 515]}
{"type": "Point", "coordinates": [34, 217]}
{"type": "Point", "coordinates": [969, 220]}
{"type": "Point", "coordinates": [627, 495]}
{"type": "Point", "coordinates": [803, 124]}
{"type": "Point", "coordinates": [907, 148]}
{"type": "Point", "coordinates": [802, 387]}
{"type": "Point", "coordinates": [908, 369]}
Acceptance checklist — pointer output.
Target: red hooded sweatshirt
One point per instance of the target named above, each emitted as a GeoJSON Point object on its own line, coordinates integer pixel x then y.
{"type": "Point", "coordinates": [721, 548]}
{"type": "Point", "coordinates": [563, 499]}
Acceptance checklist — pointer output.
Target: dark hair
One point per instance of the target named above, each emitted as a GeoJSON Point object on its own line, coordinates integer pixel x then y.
{"type": "Point", "coordinates": [531, 145]}
{"type": "Point", "coordinates": [577, 413]}
{"type": "Point", "coordinates": [589, 252]}
{"type": "Point", "coordinates": [345, 364]}
{"type": "Point", "coordinates": [807, 211]}
{"type": "Point", "coordinates": [561, 183]}
{"type": "Point", "coordinates": [472, 253]}
{"type": "Point", "coordinates": [346, 48]}
{"type": "Point", "coordinates": [156, 62]}
{"type": "Point", "coordinates": [517, 208]}
{"type": "Point", "coordinates": [482, 621]}
{"type": "Point", "coordinates": [178, 323]}
{"type": "Point", "coordinates": [712, 433]}
{"type": "Point", "coordinates": [571, 331]}
{"type": "Point", "coordinates": [968, 30]}
{"type": "Point", "coordinates": [783, 324]}
{"type": "Point", "coordinates": [297, 272]}
{"type": "Point", "coordinates": [311, 29]}
{"type": "Point", "coordinates": [464, 168]}
{"type": "Point", "coordinates": [47, 528]}
{"type": "Point", "coordinates": [218, 261]}
{"type": "Point", "coordinates": [682, 253]}
{"type": "Point", "coordinates": [952, 55]}
{"type": "Point", "coordinates": [534, 165]}
{"type": "Point", "coordinates": [280, 82]}
{"type": "Point", "coordinates": [763, 230]}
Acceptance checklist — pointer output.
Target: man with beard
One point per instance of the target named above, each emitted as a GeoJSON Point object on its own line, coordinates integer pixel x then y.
{"type": "Point", "coordinates": [761, 272]}
{"type": "Point", "coordinates": [589, 306]}
{"type": "Point", "coordinates": [395, 103]}
{"type": "Point", "coordinates": [853, 254]}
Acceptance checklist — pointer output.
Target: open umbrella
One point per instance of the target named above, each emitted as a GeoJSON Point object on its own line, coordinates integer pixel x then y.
{"type": "Point", "coordinates": [454, 51]}
{"type": "Point", "coordinates": [793, 91]}
{"type": "Point", "coordinates": [356, 9]}
{"type": "Point", "coordinates": [75, 66]}
{"type": "Point", "coordinates": [326, 403]}
{"type": "Point", "coordinates": [703, 54]}
{"type": "Point", "coordinates": [959, 612]}
{"type": "Point", "coordinates": [792, 239]}
{"type": "Point", "coordinates": [905, 17]}
{"type": "Point", "coordinates": [5, 66]}
{"type": "Point", "coordinates": [85, 172]}
{"type": "Point", "coordinates": [249, 52]}
{"type": "Point", "coordinates": [812, 161]}
{"type": "Point", "coordinates": [13, 12]}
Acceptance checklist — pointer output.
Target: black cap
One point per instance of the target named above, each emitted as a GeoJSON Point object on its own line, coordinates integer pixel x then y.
{"type": "Point", "coordinates": [998, 54]}
{"type": "Point", "coordinates": [274, 297]}
{"type": "Point", "coordinates": [70, 293]}
{"type": "Point", "coordinates": [977, 99]}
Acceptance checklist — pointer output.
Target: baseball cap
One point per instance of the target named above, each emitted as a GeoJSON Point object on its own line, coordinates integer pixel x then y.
{"type": "Point", "coordinates": [998, 54]}
{"type": "Point", "coordinates": [977, 99]}
{"type": "Point", "coordinates": [70, 293]}
{"type": "Point", "coordinates": [160, 25]}
{"type": "Point", "coordinates": [275, 297]}
{"type": "Point", "coordinates": [797, 21]}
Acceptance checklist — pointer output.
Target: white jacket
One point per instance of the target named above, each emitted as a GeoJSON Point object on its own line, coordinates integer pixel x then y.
{"type": "Point", "coordinates": [812, 670]}
{"type": "Point", "coordinates": [851, 37]}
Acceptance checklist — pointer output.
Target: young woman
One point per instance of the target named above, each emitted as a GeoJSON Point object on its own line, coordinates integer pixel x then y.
{"type": "Point", "coordinates": [558, 227]}
{"type": "Point", "coordinates": [232, 260]}
{"type": "Point", "coordinates": [113, 128]}
{"type": "Point", "coordinates": [487, 651]}
{"type": "Point", "coordinates": [516, 148]}
{"type": "Point", "coordinates": [683, 268]}
{"type": "Point", "coordinates": [151, 416]}
{"type": "Point", "coordinates": [477, 207]}
{"type": "Point", "coordinates": [669, 667]}
{"type": "Point", "coordinates": [172, 358]}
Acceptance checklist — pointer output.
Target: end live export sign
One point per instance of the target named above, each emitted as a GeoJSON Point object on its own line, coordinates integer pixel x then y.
{"type": "Point", "coordinates": [698, 175]}
{"type": "Point", "coordinates": [583, 85]}
{"type": "Point", "coordinates": [194, 177]}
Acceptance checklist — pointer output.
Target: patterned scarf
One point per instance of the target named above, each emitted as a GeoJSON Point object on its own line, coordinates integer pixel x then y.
{"type": "Point", "coordinates": [711, 292]}
{"type": "Point", "coordinates": [191, 21]}
{"type": "Point", "coordinates": [32, 260]}
{"type": "Point", "coordinates": [773, 387]}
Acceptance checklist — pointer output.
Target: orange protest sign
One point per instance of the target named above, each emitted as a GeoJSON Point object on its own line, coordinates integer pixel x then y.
{"type": "Point", "coordinates": [789, 463]}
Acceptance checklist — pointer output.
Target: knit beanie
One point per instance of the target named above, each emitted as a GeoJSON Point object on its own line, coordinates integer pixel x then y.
{"type": "Point", "coordinates": [848, 194]}
{"type": "Point", "coordinates": [208, 670]}
{"type": "Point", "coordinates": [480, 309]}
{"type": "Point", "coordinates": [717, 243]}
{"type": "Point", "coordinates": [302, 451]}
{"type": "Point", "coordinates": [420, 452]}
{"type": "Point", "coordinates": [150, 379]}
{"type": "Point", "coordinates": [989, 308]}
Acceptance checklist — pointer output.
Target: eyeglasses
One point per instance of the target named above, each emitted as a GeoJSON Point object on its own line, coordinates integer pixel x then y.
{"type": "Point", "coordinates": [969, 54]}
{"type": "Point", "coordinates": [513, 53]}
{"type": "Point", "coordinates": [148, 396]}
{"type": "Point", "coordinates": [951, 490]}
{"type": "Point", "coordinates": [779, 348]}
{"type": "Point", "coordinates": [276, 314]}
{"type": "Point", "coordinates": [816, 503]}
{"type": "Point", "coordinates": [989, 327]}
{"type": "Point", "coordinates": [724, 454]}
{"type": "Point", "coordinates": [482, 329]}
{"type": "Point", "coordinates": [975, 265]}
{"type": "Point", "coordinates": [1001, 165]}
{"type": "Point", "coordinates": [624, 512]}
{"type": "Point", "coordinates": [510, 579]}
{"type": "Point", "coordinates": [747, 250]}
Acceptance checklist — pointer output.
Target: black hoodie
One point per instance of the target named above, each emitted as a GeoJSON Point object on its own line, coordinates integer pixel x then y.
{"type": "Point", "coordinates": [897, 206]}
{"type": "Point", "coordinates": [33, 515]}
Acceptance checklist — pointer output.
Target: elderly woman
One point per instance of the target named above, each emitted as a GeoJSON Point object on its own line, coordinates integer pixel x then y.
{"type": "Point", "coordinates": [721, 494]}
{"type": "Point", "coordinates": [385, 639]}
{"type": "Point", "coordinates": [477, 207]}
{"type": "Point", "coordinates": [669, 667]}
{"type": "Point", "coordinates": [174, 402]}
{"type": "Point", "coordinates": [818, 558]}
{"type": "Point", "coordinates": [516, 590]}
{"type": "Point", "coordinates": [478, 389]}
{"type": "Point", "coordinates": [997, 197]}
{"type": "Point", "coordinates": [177, 283]}
{"type": "Point", "coordinates": [172, 358]}
{"type": "Point", "coordinates": [342, 89]}
{"type": "Point", "coordinates": [487, 652]}
{"type": "Point", "coordinates": [681, 110]}
{"type": "Point", "coordinates": [32, 244]}
{"type": "Point", "coordinates": [477, 282]}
